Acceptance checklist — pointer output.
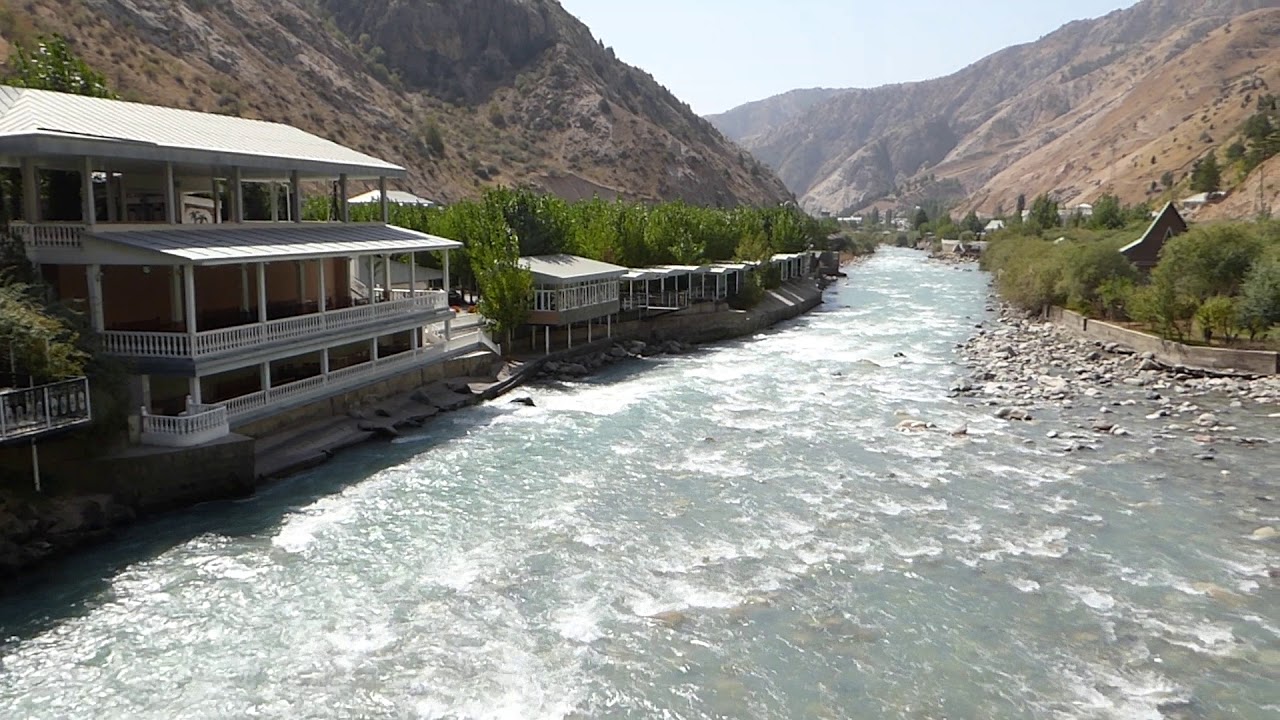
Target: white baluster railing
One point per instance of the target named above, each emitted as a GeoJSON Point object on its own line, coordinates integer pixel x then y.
{"type": "Point", "coordinates": [63, 236]}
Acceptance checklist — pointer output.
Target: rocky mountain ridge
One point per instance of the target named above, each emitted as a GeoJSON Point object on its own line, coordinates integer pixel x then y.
{"type": "Point", "coordinates": [464, 94]}
{"type": "Point", "coordinates": [1080, 111]}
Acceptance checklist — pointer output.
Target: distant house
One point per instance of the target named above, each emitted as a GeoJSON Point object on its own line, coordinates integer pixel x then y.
{"type": "Point", "coordinates": [993, 226]}
{"type": "Point", "coordinates": [1084, 210]}
{"type": "Point", "coordinates": [396, 197]}
{"type": "Point", "coordinates": [571, 290]}
{"type": "Point", "coordinates": [1145, 251]}
{"type": "Point", "coordinates": [1199, 200]}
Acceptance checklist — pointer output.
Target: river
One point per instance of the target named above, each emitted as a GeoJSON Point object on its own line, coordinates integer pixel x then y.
{"type": "Point", "coordinates": [739, 532]}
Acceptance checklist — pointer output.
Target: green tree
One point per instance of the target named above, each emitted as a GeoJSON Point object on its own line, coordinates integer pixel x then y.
{"type": "Point", "coordinates": [1020, 205]}
{"type": "Point", "coordinates": [1086, 267]}
{"type": "Point", "coordinates": [920, 219]}
{"type": "Point", "coordinates": [873, 218]}
{"type": "Point", "coordinates": [1259, 304]}
{"type": "Point", "coordinates": [972, 223]}
{"type": "Point", "coordinates": [1235, 151]}
{"type": "Point", "coordinates": [51, 65]}
{"type": "Point", "coordinates": [1206, 176]}
{"type": "Point", "coordinates": [1107, 213]}
{"type": "Point", "coordinates": [1217, 316]}
{"type": "Point", "coordinates": [506, 287]}
{"type": "Point", "coordinates": [1044, 214]}
{"type": "Point", "coordinates": [1167, 180]}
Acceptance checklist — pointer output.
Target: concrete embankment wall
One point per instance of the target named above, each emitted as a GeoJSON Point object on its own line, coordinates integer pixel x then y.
{"type": "Point", "coordinates": [144, 479]}
{"type": "Point", "coordinates": [703, 326]}
{"type": "Point", "coordinates": [1258, 362]}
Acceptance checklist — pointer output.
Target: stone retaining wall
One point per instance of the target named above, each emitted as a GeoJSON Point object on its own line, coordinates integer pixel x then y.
{"type": "Point", "coordinates": [1257, 362]}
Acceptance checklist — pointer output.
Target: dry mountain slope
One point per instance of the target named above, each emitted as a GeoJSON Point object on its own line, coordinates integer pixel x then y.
{"type": "Point", "coordinates": [955, 135]}
{"type": "Point", "coordinates": [464, 93]}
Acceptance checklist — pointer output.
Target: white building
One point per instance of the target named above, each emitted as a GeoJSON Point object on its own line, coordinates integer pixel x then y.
{"type": "Point", "coordinates": [220, 323]}
{"type": "Point", "coordinates": [395, 197]}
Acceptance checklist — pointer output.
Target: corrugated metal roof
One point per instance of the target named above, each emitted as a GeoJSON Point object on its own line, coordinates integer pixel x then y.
{"type": "Point", "coordinates": [41, 113]}
{"type": "Point", "coordinates": [222, 244]}
{"type": "Point", "coordinates": [570, 267]}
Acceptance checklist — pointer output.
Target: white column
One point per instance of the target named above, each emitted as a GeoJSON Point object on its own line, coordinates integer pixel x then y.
{"type": "Point", "coordinates": [237, 196]}
{"type": "Point", "coordinates": [175, 294]}
{"type": "Point", "coordinates": [413, 274]}
{"type": "Point", "coordinates": [324, 362]}
{"type": "Point", "coordinates": [189, 284]}
{"type": "Point", "coordinates": [608, 325]}
{"type": "Point", "coordinates": [344, 207]}
{"type": "Point", "coordinates": [382, 199]}
{"type": "Point", "coordinates": [446, 273]}
{"type": "Point", "coordinates": [244, 287]}
{"type": "Point", "coordinates": [30, 191]}
{"type": "Point", "coordinates": [302, 281]}
{"type": "Point", "coordinates": [386, 275]}
{"type": "Point", "coordinates": [588, 331]}
{"type": "Point", "coordinates": [170, 195]}
{"type": "Point", "coordinates": [295, 200]}
{"type": "Point", "coordinates": [569, 330]}
{"type": "Point", "coordinates": [264, 375]}
{"type": "Point", "coordinates": [322, 291]}
{"type": "Point", "coordinates": [94, 276]}
{"type": "Point", "coordinates": [373, 350]}
{"type": "Point", "coordinates": [262, 292]}
{"type": "Point", "coordinates": [196, 396]}
{"type": "Point", "coordinates": [548, 338]}
{"type": "Point", "coordinates": [275, 201]}
{"type": "Point", "coordinates": [373, 296]}
{"type": "Point", "coordinates": [215, 191]}
{"type": "Point", "coordinates": [113, 207]}
{"type": "Point", "coordinates": [88, 204]}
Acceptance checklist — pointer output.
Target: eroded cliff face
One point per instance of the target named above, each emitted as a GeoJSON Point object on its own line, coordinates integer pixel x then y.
{"type": "Point", "coordinates": [464, 93]}
{"type": "Point", "coordinates": [1041, 117]}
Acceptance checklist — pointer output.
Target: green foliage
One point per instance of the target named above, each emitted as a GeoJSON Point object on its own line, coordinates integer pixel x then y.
{"type": "Point", "coordinates": [1020, 205]}
{"type": "Point", "coordinates": [51, 65]}
{"type": "Point", "coordinates": [1044, 214]}
{"type": "Point", "coordinates": [1114, 295]}
{"type": "Point", "coordinates": [1259, 305]}
{"type": "Point", "coordinates": [1107, 213]}
{"type": "Point", "coordinates": [972, 223]}
{"type": "Point", "coordinates": [1217, 316]}
{"type": "Point", "coordinates": [1086, 267]}
{"type": "Point", "coordinates": [1206, 176]}
{"type": "Point", "coordinates": [1167, 180]}
{"type": "Point", "coordinates": [44, 343]}
{"type": "Point", "coordinates": [920, 219]}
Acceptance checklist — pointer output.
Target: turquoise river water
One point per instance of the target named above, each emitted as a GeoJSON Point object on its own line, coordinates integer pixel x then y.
{"type": "Point", "coordinates": [736, 533]}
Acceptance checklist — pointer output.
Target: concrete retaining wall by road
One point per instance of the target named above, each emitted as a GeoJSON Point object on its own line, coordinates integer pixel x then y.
{"type": "Point", "coordinates": [1257, 362]}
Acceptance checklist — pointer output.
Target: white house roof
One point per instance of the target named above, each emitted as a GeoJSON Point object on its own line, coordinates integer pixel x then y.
{"type": "Point", "coordinates": [685, 269]}
{"type": "Point", "coordinates": [399, 197]}
{"type": "Point", "coordinates": [235, 243]}
{"type": "Point", "coordinates": [995, 225]}
{"type": "Point", "coordinates": [564, 267]}
{"type": "Point", "coordinates": [399, 272]}
{"type": "Point", "coordinates": [45, 123]}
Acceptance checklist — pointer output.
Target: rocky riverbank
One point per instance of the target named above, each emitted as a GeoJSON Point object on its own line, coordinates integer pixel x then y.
{"type": "Point", "coordinates": [583, 365]}
{"type": "Point", "coordinates": [1021, 364]}
{"type": "Point", "coordinates": [35, 530]}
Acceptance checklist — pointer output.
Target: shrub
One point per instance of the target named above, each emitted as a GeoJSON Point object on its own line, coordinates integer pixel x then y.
{"type": "Point", "coordinates": [1217, 315]}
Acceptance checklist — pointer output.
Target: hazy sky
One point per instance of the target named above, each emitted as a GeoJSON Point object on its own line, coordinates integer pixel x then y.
{"type": "Point", "coordinates": [716, 54]}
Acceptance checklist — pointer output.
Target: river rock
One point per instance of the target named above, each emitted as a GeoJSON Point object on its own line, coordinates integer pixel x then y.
{"type": "Point", "coordinates": [1265, 533]}
{"type": "Point", "coordinates": [1013, 413]}
{"type": "Point", "coordinates": [523, 400]}
{"type": "Point", "coordinates": [1207, 420]}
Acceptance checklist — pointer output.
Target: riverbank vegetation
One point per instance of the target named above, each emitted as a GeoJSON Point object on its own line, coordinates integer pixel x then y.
{"type": "Point", "coordinates": [1218, 283]}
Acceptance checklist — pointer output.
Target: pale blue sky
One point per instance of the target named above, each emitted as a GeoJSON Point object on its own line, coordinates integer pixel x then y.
{"type": "Point", "coordinates": [716, 54]}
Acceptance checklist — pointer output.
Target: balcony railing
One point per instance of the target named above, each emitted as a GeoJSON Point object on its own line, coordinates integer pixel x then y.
{"type": "Point", "coordinates": [29, 412]}
{"type": "Point", "coordinates": [320, 386]}
{"type": "Point", "coordinates": [200, 424]}
{"type": "Point", "coordinates": [61, 236]}
{"type": "Point", "coordinates": [227, 340]}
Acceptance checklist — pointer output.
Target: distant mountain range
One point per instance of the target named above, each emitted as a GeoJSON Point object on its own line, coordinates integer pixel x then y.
{"type": "Point", "coordinates": [464, 93]}
{"type": "Point", "coordinates": [1107, 104]}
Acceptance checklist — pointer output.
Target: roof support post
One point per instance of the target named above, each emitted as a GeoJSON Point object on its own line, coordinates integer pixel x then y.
{"type": "Point", "coordinates": [170, 195]}
{"type": "Point", "coordinates": [88, 203]}
{"type": "Point", "coordinates": [373, 295]}
{"type": "Point", "coordinates": [237, 196]}
{"type": "Point", "coordinates": [344, 210]}
{"type": "Point", "coordinates": [244, 288]}
{"type": "Point", "coordinates": [386, 276]}
{"type": "Point", "coordinates": [96, 314]}
{"type": "Point", "coordinates": [189, 302]}
{"type": "Point", "coordinates": [295, 200]}
{"type": "Point", "coordinates": [382, 199]}
{"type": "Point", "coordinates": [30, 191]}
{"type": "Point", "coordinates": [215, 192]}
{"type": "Point", "coordinates": [446, 275]}
{"type": "Point", "coordinates": [321, 291]}
{"type": "Point", "coordinates": [262, 292]}
{"type": "Point", "coordinates": [275, 201]}
{"type": "Point", "coordinates": [113, 203]}
{"type": "Point", "coordinates": [413, 274]}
